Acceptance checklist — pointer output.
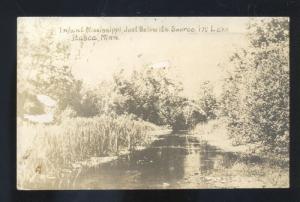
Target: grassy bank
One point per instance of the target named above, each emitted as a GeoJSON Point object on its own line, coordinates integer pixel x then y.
{"type": "Point", "coordinates": [47, 151]}
{"type": "Point", "coordinates": [259, 168]}
{"type": "Point", "coordinates": [216, 133]}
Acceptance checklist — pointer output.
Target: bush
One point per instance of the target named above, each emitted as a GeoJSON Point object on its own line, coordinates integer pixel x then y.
{"type": "Point", "coordinates": [256, 92]}
{"type": "Point", "coordinates": [207, 100]}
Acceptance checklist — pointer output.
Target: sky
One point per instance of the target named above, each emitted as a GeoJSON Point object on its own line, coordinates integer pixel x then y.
{"type": "Point", "coordinates": [193, 57]}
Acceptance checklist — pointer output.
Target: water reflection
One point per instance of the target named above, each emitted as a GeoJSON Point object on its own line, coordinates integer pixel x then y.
{"type": "Point", "coordinates": [168, 161]}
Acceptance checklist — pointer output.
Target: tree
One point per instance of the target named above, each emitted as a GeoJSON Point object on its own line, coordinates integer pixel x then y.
{"type": "Point", "coordinates": [207, 100]}
{"type": "Point", "coordinates": [89, 104]}
{"type": "Point", "coordinates": [256, 91]}
{"type": "Point", "coordinates": [43, 68]}
{"type": "Point", "coordinates": [153, 96]}
{"type": "Point", "coordinates": [140, 93]}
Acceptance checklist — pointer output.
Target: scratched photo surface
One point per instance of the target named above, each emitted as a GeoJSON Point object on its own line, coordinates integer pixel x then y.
{"type": "Point", "coordinates": [152, 102]}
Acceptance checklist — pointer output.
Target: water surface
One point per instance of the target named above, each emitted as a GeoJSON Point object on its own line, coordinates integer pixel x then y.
{"type": "Point", "coordinates": [173, 161]}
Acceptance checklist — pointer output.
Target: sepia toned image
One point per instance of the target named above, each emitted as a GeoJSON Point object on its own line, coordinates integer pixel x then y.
{"type": "Point", "coordinates": [152, 102]}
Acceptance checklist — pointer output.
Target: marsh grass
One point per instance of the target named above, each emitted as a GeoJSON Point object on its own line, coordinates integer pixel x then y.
{"type": "Point", "coordinates": [47, 152]}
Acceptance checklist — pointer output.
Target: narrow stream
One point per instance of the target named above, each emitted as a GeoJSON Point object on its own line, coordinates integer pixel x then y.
{"type": "Point", "coordinates": [173, 161]}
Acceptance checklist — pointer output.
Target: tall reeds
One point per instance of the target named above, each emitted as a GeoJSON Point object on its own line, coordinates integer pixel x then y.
{"type": "Point", "coordinates": [46, 150]}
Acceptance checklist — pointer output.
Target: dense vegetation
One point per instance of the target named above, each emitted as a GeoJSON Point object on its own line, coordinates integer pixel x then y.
{"type": "Point", "coordinates": [119, 114]}
{"type": "Point", "coordinates": [256, 92]}
{"type": "Point", "coordinates": [48, 151]}
{"type": "Point", "coordinates": [116, 115]}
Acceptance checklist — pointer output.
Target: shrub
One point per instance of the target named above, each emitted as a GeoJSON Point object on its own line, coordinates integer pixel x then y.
{"type": "Point", "coordinates": [256, 92]}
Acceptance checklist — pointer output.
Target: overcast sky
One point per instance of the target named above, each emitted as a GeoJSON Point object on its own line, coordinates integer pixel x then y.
{"type": "Point", "coordinates": [194, 57]}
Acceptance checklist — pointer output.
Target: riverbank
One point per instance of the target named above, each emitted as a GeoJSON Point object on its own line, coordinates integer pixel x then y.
{"type": "Point", "coordinates": [255, 169]}
{"type": "Point", "coordinates": [96, 161]}
{"type": "Point", "coordinates": [59, 151]}
{"type": "Point", "coordinates": [182, 161]}
{"type": "Point", "coordinates": [215, 133]}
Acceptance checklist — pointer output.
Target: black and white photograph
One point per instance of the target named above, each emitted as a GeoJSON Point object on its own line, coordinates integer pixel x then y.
{"type": "Point", "coordinates": [113, 103]}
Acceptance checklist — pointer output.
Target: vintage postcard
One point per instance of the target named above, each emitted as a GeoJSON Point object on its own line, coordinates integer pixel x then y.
{"type": "Point", "coordinates": [152, 102]}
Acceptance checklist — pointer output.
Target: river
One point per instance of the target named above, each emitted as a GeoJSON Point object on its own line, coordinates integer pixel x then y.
{"type": "Point", "coordinates": [173, 161]}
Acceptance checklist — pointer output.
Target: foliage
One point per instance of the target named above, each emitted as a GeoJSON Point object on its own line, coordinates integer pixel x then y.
{"type": "Point", "coordinates": [29, 104]}
{"type": "Point", "coordinates": [43, 69]}
{"type": "Point", "coordinates": [207, 100]}
{"type": "Point", "coordinates": [149, 93]}
{"type": "Point", "coordinates": [88, 104]}
{"type": "Point", "coordinates": [256, 91]}
{"type": "Point", "coordinates": [46, 150]}
{"type": "Point", "coordinates": [153, 96]}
